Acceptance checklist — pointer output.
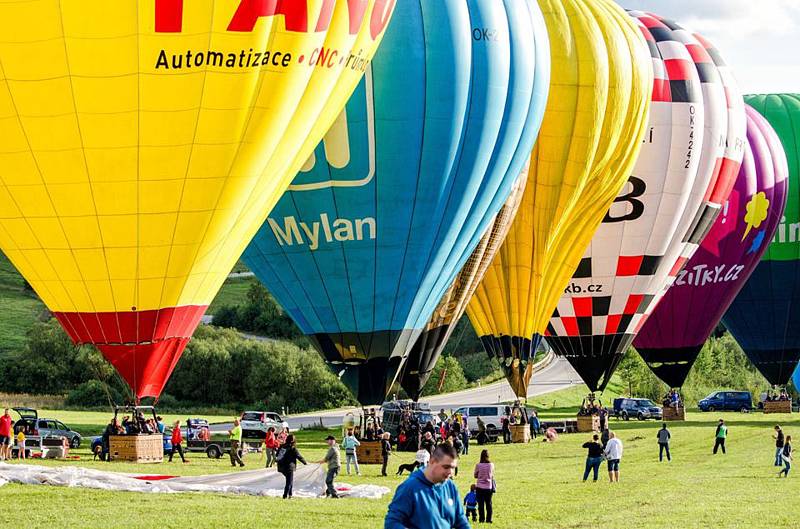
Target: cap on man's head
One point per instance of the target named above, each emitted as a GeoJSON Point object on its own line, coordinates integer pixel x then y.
{"type": "Point", "coordinates": [330, 438]}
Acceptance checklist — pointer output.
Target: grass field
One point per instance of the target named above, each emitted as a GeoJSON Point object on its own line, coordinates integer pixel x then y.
{"type": "Point", "coordinates": [539, 485]}
{"type": "Point", "coordinates": [19, 308]}
{"type": "Point", "coordinates": [233, 292]}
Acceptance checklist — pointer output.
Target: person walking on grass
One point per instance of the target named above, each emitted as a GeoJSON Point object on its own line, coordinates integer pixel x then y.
{"type": "Point", "coordinates": [594, 457]}
{"type": "Point", "coordinates": [350, 443]}
{"type": "Point", "coordinates": [663, 437]}
{"type": "Point", "coordinates": [779, 441]}
{"type": "Point", "coordinates": [333, 460]}
{"type": "Point", "coordinates": [429, 498]}
{"type": "Point", "coordinates": [288, 456]}
{"type": "Point", "coordinates": [786, 457]}
{"type": "Point", "coordinates": [613, 453]}
{"type": "Point", "coordinates": [720, 436]}
{"type": "Point", "coordinates": [235, 437]}
{"type": "Point", "coordinates": [177, 439]}
{"type": "Point", "coordinates": [485, 487]}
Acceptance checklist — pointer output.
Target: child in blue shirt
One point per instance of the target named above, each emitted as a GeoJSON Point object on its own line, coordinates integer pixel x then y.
{"type": "Point", "coordinates": [471, 503]}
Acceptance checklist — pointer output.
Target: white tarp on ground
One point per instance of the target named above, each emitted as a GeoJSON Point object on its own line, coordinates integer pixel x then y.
{"type": "Point", "coordinates": [309, 481]}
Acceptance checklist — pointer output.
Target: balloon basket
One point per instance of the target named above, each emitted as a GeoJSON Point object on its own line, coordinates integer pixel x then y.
{"type": "Point", "coordinates": [588, 423]}
{"type": "Point", "coordinates": [778, 406]}
{"type": "Point", "coordinates": [144, 448]}
{"type": "Point", "coordinates": [674, 414]}
{"type": "Point", "coordinates": [520, 433]}
{"type": "Point", "coordinates": [369, 453]}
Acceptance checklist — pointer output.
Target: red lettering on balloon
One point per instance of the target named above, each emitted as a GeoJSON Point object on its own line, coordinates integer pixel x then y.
{"type": "Point", "coordinates": [356, 10]}
{"type": "Point", "coordinates": [249, 11]}
{"type": "Point", "coordinates": [325, 15]}
{"type": "Point", "coordinates": [381, 14]}
{"type": "Point", "coordinates": [169, 16]}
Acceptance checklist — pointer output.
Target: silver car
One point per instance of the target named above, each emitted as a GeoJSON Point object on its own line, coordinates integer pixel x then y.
{"type": "Point", "coordinates": [54, 428]}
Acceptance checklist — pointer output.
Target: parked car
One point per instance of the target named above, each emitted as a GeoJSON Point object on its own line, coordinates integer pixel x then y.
{"type": "Point", "coordinates": [727, 400]}
{"type": "Point", "coordinates": [392, 414]}
{"type": "Point", "coordinates": [490, 414]}
{"type": "Point", "coordinates": [642, 409]}
{"type": "Point", "coordinates": [55, 428]}
{"type": "Point", "coordinates": [256, 423]}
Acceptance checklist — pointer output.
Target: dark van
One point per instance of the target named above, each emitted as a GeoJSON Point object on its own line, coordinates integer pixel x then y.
{"type": "Point", "coordinates": [727, 400]}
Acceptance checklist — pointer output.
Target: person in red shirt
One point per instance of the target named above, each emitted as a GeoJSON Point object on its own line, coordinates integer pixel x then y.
{"type": "Point", "coordinates": [5, 435]}
{"type": "Point", "coordinates": [177, 439]}
{"type": "Point", "coordinates": [270, 446]}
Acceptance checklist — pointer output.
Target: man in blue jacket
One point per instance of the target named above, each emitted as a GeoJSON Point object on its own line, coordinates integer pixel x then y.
{"type": "Point", "coordinates": [428, 499]}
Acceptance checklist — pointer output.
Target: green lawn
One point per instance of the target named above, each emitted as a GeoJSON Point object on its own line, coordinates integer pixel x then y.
{"type": "Point", "coordinates": [19, 308]}
{"type": "Point", "coordinates": [233, 292]}
{"type": "Point", "coordinates": [539, 485]}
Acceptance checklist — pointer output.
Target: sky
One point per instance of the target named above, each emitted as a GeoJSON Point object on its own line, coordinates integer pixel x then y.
{"type": "Point", "coordinates": [760, 40]}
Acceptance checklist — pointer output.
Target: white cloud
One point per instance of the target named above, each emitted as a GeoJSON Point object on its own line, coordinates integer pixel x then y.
{"type": "Point", "coordinates": [714, 18]}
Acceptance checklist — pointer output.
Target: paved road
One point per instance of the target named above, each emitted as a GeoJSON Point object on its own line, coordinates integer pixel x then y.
{"type": "Point", "coordinates": [554, 377]}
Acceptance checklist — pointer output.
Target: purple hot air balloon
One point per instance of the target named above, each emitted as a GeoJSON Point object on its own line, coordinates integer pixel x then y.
{"type": "Point", "coordinates": [675, 332]}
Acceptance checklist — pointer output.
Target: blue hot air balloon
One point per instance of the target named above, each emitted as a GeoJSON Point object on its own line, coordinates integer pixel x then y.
{"type": "Point", "coordinates": [391, 204]}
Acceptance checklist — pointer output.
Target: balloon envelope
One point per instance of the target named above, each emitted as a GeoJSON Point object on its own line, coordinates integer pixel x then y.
{"type": "Point", "coordinates": [372, 233]}
{"type": "Point", "coordinates": [634, 250]}
{"type": "Point", "coordinates": [429, 346]}
{"type": "Point", "coordinates": [673, 335]}
{"type": "Point", "coordinates": [143, 144]}
{"type": "Point", "coordinates": [591, 134]}
{"type": "Point", "coordinates": [765, 316]}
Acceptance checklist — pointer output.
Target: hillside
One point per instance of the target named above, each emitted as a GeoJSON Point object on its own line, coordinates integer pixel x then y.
{"type": "Point", "coordinates": [20, 307]}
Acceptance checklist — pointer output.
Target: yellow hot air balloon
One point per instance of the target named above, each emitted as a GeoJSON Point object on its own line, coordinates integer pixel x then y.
{"type": "Point", "coordinates": [591, 135]}
{"type": "Point", "coordinates": [144, 142]}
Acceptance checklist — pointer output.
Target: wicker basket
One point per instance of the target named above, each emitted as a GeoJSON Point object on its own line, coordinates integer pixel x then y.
{"type": "Point", "coordinates": [674, 414]}
{"type": "Point", "coordinates": [520, 433]}
{"type": "Point", "coordinates": [137, 448]}
{"type": "Point", "coordinates": [369, 453]}
{"type": "Point", "coordinates": [778, 406]}
{"type": "Point", "coordinates": [588, 423]}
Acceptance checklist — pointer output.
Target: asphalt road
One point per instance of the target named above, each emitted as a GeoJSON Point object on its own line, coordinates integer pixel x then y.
{"type": "Point", "coordinates": [556, 376]}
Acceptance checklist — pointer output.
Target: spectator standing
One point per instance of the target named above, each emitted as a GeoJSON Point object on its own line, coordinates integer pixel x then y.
{"type": "Point", "coordinates": [613, 453]}
{"type": "Point", "coordinates": [177, 439]}
{"type": "Point", "coordinates": [270, 446]}
{"type": "Point", "coordinates": [786, 455]}
{"type": "Point", "coordinates": [535, 424]}
{"type": "Point", "coordinates": [429, 498]}
{"type": "Point", "coordinates": [386, 450]}
{"type": "Point", "coordinates": [333, 460]}
{"type": "Point", "coordinates": [779, 441]}
{"type": "Point", "coordinates": [21, 445]}
{"type": "Point", "coordinates": [471, 503]}
{"type": "Point", "coordinates": [465, 435]}
{"type": "Point", "coordinates": [506, 426]}
{"type": "Point", "coordinates": [5, 435]}
{"type": "Point", "coordinates": [485, 487]}
{"type": "Point", "coordinates": [350, 443]}
{"type": "Point", "coordinates": [594, 457]}
{"type": "Point", "coordinates": [663, 437]}
{"type": "Point", "coordinates": [288, 456]}
{"type": "Point", "coordinates": [720, 435]}
{"type": "Point", "coordinates": [235, 438]}
{"type": "Point", "coordinates": [428, 443]}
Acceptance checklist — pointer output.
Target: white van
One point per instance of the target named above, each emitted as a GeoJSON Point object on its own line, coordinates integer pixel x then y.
{"type": "Point", "coordinates": [490, 414]}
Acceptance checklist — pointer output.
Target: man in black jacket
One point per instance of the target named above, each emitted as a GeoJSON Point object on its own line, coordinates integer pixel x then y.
{"type": "Point", "coordinates": [778, 445]}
